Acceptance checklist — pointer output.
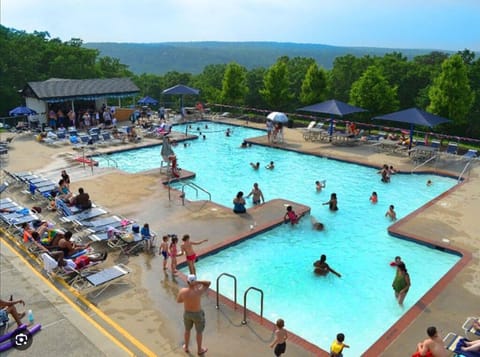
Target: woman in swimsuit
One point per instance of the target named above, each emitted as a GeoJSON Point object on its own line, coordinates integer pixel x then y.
{"type": "Point", "coordinates": [332, 204]}
{"type": "Point", "coordinates": [239, 203]}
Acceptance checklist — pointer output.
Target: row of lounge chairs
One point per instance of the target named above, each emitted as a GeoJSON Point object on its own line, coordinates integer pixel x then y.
{"type": "Point", "coordinates": [454, 342]}
{"type": "Point", "coordinates": [92, 224]}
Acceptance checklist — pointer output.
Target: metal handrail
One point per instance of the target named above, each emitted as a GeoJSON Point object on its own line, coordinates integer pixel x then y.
{"type": "Point", "coordinates": [424, 163]}
{"type": "Point", "coordinates": [196, 188]}
{"type": "Point", "coordinates": [464, 170]}
{"type": "Point", "coordinates": [234, 288]}
{"type": "Point", "coordinates": [244, 321]}
{"type": "Point", "coordinates": [108, 159]}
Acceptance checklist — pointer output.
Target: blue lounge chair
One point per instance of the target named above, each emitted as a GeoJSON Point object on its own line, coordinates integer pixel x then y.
{"type": "Point", "coordinates": [452, 149]}
{"type": "Point", "coordinates": [454, 343]}
{"type": "Point", "coordinates": [470, 154]}
{"type": "Point", "coordinates": [468, 327]}
{"type": "Point", "coordinates": [101, 280]}
{"type": "Point", "coordinates": [84, 215]}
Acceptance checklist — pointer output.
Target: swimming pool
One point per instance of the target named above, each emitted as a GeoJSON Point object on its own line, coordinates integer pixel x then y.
{"type": "Point", "coordinates": [279, 262]}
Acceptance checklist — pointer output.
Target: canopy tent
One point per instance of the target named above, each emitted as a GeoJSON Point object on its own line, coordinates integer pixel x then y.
{"type": "Point", "coordinates": [414, 116]}
{"type": "Point", "coordinates": [332, 107]}
{"type": "Point", "coordinates": [147, 101]}
{"type": "Point", "coordinates": [18, 111]}
{"type": "Point", "coordinates": [278, 117]}
{"type": "Point", "coordinates": [181, 90]}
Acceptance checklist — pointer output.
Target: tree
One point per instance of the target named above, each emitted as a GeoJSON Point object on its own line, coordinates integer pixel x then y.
{"type": "Point", "coordinates": [254, 84]}
{"type": "Point", "coordinates": [314, 86]}
{"type": "Point", "coordinates": [373, 92]}
{"type": "Point", "coordinates": [275, 89]}
{"type": "Point", "coordinates": [450, 95]}
{"type": "Point", "coordinates": [210, 82]}
{"type": "Point", "coordinates": [234, 86]}
{"type": "Point", "coordinates": [346, 70]}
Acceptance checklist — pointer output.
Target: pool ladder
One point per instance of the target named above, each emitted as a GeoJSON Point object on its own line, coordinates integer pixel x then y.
{"type": "Point", "coordinates": [245, 294]}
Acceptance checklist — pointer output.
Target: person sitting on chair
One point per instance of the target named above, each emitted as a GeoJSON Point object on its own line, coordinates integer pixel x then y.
{"type": "Point", "coordinates": [82, 200]}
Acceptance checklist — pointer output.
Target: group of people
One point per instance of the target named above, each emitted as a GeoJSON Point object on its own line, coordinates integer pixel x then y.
{"type": "Point", "coordinates": [80, 200]}
{"type": "Point", "coordinates": [170, 250]}
{"type": "Point", "coordinates": [386, 172]}
{"type": "Point", "coordinates": [85, 119]}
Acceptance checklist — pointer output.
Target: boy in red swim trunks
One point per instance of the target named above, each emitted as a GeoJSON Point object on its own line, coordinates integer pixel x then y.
{"type": "Point", "coordinates": [187, 248]}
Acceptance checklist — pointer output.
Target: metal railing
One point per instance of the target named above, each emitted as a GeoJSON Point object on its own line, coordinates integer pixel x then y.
{"type": "Point", "coordinates": [244, 321]}
{"type": "Point", "coordinates": [234, 288]}
{"type": "Point", "coordinates": [424, 163]}
{"type": "Point", "coordinates": [464, 170]}
{"type": "Point", "coordinates": [196, 188]}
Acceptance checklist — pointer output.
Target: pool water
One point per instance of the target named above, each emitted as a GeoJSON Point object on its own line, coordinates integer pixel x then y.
{"type": "Point", "coordinates": [361, 303]}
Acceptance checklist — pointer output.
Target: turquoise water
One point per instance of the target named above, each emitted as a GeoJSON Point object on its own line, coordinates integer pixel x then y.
{"type": "Point", "coordinates": [361, 303]}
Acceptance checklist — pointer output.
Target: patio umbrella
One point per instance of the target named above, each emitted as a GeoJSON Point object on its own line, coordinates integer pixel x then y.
{"type": "Point", "coordinates": [332, 107]}
{"type": "Point", "coordinates": [181, 90]}
{"type": "Point", "coordinates": [147, 101]}
{"type": "Point", "coordinates": [278, 117]}
{"type": "Point", "coordinates": [21, 111]}
{"type": "Point", "coordinates": [414, 116]}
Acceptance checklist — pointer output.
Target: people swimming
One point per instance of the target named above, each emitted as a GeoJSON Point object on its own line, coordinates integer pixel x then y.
{"type": "Point", "coordinates": [332, 203]}
{"type": "Point", "coordinates": [322, 268]}
{"type": "Point", "coordinates": [291, 216]}
{"type": "Point", "coordinates": [270, 166]}
{"type": "Point", "coordinates": [319, 185]}
{"type": "Point", "coordinates": [255, 166]}
{"type": "Point", "coordinates": [316, 225]}
{"type": "Point", "coordinates": [391, 213]}
{"type": "Point", "coordinates": [374, 197]}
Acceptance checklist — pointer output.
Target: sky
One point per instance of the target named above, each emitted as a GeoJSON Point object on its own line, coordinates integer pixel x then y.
{"type": "Point", "coordinates": [421, 24]}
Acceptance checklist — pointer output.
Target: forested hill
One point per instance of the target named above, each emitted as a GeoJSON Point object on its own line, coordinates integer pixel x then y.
{"type": "Point", "coordinates": [192, 57]}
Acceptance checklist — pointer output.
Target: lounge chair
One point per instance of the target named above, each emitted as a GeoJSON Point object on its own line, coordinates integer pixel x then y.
{"type": "Point", "coordinates": [100, 224]}
{"type": "Point", "coordinates": [88, 283]}
{"type": "Point", "coordinates": [84, 215]}
{"type": "Point", "coordinates": [51, 267]}
{"type": "Point", "coordinates": [3, 187]}
{"type": "Point", "coordinates": [470, 154]}
{"type": "Point", "coordinates": [452, 149]}
{"type": "Point", "coordinates": [454, 343]}
{"type": "Point", "coordinates": [468, 326]}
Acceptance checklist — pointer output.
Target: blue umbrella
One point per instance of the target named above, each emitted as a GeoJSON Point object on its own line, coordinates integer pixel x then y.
{"type": "Point", "coordinates": [414, 116]}
{"type": "Point", "coordinates": [181, 90]}
{"type": "Point", "coordinates": [332, 107]}
{"type": "Point", "coordinates": [21, 111]}
{"type": "Point", "coordinates": [148, 101]}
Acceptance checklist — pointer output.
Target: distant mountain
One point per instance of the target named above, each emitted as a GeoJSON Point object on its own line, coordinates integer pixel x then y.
{"type": "Point", "coordinates": [192, 57]}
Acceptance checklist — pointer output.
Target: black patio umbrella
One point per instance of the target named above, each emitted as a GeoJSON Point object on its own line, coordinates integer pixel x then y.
{"type": "Point", "coordinates": [18, 111]}
{"type": "Point", "coordinates": [147, 101]}
{"type": "Point", "coordinates": [332, 107]}
{"type": "Point", "coordinates": [181, 90]}
{"type": "Point", "coordinates": [414, 116]}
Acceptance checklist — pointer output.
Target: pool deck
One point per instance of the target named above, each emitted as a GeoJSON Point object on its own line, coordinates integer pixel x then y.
{"type": "Point", "coordinates": [144, 316]}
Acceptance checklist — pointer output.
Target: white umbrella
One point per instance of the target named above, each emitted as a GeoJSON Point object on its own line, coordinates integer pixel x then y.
{"type": "Point", "coordinates": [278, 117]}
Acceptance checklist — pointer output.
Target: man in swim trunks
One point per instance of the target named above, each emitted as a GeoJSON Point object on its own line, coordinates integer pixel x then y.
{"type": "Point", "coordinates": [187, 249]}
{"type": "Point", "coordinates": [193, 313]}
{"type": "Point", "coordinates": [257, 195]}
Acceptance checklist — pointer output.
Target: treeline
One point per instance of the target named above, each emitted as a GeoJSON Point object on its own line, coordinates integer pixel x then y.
{"type": "Point", "coordinates": [447, 85]}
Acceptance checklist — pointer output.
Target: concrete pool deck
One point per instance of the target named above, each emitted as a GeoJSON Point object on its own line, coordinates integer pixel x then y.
{"type": "Point", "coordinates": [147, 309]}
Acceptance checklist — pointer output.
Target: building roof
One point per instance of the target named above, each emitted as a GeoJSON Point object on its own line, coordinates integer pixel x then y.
{"type": "Point", "coordinates": [60, 90]}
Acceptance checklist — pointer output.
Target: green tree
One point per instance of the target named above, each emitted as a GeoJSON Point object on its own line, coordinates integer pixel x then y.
{"type": "Point", "coordinates": [276, 91]}
{"type": "Point", "coordinates": [346, 70]}
{"type": "Point", "coordinates": [210, 82]}
{"type": "Point", "coordinates": [451, 95]}
{"type": "Point", "coordinates": [314, 86]}
{"type": "Point", "coordinates": [373, 92]}
{"type": "Point", "coordinates": [234, 86]}
{"type": "Point", "coordinates": [254, 83]}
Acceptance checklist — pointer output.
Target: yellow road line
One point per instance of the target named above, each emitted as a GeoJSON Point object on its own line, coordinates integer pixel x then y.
{"type": "Point", "coordinates": [100, 313]}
